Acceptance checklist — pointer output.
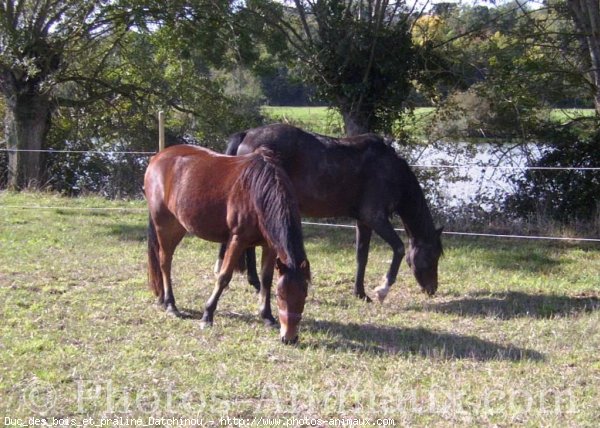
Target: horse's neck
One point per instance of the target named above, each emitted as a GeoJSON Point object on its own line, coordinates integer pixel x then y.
{"type": "Point", "coordinates": [417, 218]}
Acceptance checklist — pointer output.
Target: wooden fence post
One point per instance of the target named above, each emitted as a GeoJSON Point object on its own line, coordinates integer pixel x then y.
{"type": "Point", "coordinates": [161, 131]}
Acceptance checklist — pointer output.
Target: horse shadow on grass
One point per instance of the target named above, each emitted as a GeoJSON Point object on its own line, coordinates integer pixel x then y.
{"type": "Point", "coordinates": [384, 340]}
{"type": "Point", "coordinates": [128, 232]}
{"type": "Point", "coordinates": [515, 304]}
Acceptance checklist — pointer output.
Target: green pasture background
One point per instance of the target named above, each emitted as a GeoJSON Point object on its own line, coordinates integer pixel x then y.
{"type": "Point", "coordinates": [328, 121]}
{"type": "Point", "coordinates": [511, 338]}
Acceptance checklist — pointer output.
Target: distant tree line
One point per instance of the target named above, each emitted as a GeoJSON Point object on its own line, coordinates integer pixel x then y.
{"type": "Point", "coordinates": [83, 74]}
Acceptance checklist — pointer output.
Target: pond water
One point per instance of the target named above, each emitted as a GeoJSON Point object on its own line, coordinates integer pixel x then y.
{"type": "Point", "coordinates": [456, 174]}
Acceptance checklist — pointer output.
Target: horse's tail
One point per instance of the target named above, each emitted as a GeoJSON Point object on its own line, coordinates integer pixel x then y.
{"type": "Point", "coordinates": [234, 142]}
{"type": "Point", "coordinates": [155, 280]}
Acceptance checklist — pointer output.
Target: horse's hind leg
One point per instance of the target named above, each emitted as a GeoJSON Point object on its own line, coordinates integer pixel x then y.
{"type": "Point", "coordinates": [250, 257]}
{"type": "Point", "coordinates": [251, 273]}
{"type": "Point", "coordinates": [170, 234]}
{"type": "Point", "coordinates": [232, 257]}
{"type": "Point", "coordinates": [363, 240]}
{"type": "Point", "coordinates": [219, 262]}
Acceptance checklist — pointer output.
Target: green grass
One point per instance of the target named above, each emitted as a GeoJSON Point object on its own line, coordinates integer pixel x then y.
{"type": "Point", "coordinates": [329, 122]}
{"type": "Point", "coordinates": [568, 114]}
{"type": "Point", "coordinates": [317, 119]}
{"type": "Point", "coordinates": [511, 338]}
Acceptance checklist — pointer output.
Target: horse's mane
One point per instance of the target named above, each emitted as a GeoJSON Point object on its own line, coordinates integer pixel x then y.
{"type": "Point", "coordinates": [420, 217]}
{"type": "Point", "coordinates": [358, 142]}
{"type": "Point", "coordinates": [273, 196]}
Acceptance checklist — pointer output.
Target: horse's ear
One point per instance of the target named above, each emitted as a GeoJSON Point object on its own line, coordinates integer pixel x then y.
{"type": "Point", "coordinates": [305, 268]}
{"type": "Point", "coordinates": [280, 266]}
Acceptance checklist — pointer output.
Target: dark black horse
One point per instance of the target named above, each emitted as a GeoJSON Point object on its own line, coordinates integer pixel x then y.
{"type": "Point", "coordinates": [359, 177]}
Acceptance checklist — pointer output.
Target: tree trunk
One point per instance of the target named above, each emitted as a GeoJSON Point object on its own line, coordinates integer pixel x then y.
{"type": "Point", "coordinates": [356, 122]}
{"type": "Point", "coordinates": [586, 16]}
{"type": "Point", "coordinates": [27, 122]}
{"type": "Point", "coordinates": [597, 102]}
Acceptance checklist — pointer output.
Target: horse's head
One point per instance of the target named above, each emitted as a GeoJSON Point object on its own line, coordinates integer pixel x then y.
{"type": "Point", "coordinates": [292, 289]}
{"type": "Point", "coordinates": [423, 259]}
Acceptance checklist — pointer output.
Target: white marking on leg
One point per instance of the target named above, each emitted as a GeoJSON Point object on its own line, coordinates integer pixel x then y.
{"type": "Point", "coordinates": [383, 290]}
{"type": "Point", "coordinates": [217, 267]}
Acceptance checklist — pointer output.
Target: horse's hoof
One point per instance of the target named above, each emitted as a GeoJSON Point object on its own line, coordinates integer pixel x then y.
{"type": "Point", "coordinates": [173, 311]}
{"type": "Point", "coordinates": [364, 297]}
{"type": "Point", "coordinates": [382, 292]}
{"type": "Point", "coordinates": [270, 322]}
{"type": "Point", "coordinates": [205, 324]}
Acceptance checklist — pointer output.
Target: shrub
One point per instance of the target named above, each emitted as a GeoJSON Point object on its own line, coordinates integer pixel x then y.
{"type": "Point", "coordinates": [564, 195]}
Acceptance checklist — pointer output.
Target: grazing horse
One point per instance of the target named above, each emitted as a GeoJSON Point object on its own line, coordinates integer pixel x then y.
{"type": "Point", "coordinates": [359, 177]}
{"type": "Point", "coordinates": [243, 201]}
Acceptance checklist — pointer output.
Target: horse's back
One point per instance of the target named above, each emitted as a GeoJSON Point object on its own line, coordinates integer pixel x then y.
{"type": "Point", "coordinates": [330, 175]}
{"type": "Point", "coordinates": [283, 139]}
{"type": "Point", "coordinates": [233, 143]}
{"type": "Point", "coordinates": [193, 185]}
{"type": "Point", "coordinates": [184, 167]}
{"type": "Point", "coordinates": [281, 136]}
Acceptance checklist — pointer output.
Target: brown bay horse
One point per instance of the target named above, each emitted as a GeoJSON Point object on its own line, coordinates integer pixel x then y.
{"type": "Point", "coordinates": [243, 202]}
{"type": "Point", "coordinates": [359, 177]}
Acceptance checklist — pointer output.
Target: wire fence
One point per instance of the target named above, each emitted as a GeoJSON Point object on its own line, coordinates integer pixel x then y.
{"type": "Point", "coordinates": [307, 223]}
{"type": "Point", "coordinates": [433, 166]}
{"type": "Point", "coordinates": [319, 224]}
{"type": "Point", "coordinates": [97, 152]}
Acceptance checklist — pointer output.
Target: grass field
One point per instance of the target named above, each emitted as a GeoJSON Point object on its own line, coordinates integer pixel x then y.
{"type": "Point", "coordinates": [329, 122]}
{"type": "Point", "coordinates": [317, 119]}
{"type": "Point", "coordinates": [511, 338]}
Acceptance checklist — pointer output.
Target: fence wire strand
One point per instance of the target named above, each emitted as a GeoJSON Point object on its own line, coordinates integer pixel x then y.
{"type": "Point", "coordinates": [309, 223]}
{"type": "Point", "coordinates": [334, 225]}
{"type": "Point", "coordinates": [96, 152]}
{"type": "Point", "coordinates": [432, 166]}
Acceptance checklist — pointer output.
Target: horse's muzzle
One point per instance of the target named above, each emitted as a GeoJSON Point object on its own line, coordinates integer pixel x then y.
{"type": "Point", "coordinates": [430, 291]}
{"type": "Point", "coordinates": [286, 341]}
{"type": "Point", "coordinates": [428, 282]}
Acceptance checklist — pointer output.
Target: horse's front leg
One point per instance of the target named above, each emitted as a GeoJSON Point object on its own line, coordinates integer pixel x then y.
{"type": "Point", "coordinates": [363, 240]}
{"type": "Point", "coordinates": [385, 229]}
{"type": "Point", "coordinates": [232, 257]}
{"type": "Point", "coordinates": [266, 271]}
{"type": "Point", "coordinates": [251, 273]}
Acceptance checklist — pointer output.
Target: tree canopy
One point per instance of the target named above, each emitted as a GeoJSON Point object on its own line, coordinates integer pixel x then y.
{"type": "Point", "coordinates": [80, 74]}
{"type": "Point", "coordinates": [103, 62]}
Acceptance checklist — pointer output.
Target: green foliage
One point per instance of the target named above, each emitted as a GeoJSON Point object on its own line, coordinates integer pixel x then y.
{"type": "Point", "coordinates": [282, 88]}
{"type": "Point", "coordinates": [106, 68]}
{"type": "Point", "coordinates": [520, 61]}
{"type": "Point", "coordinates": [364, 67]}
{"type": "Point", "coordinates": [564, 195]}
{"type": "Point", "coordinates": [359, 57]}
{"type": "Point", "coordinates": [202, 105]}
